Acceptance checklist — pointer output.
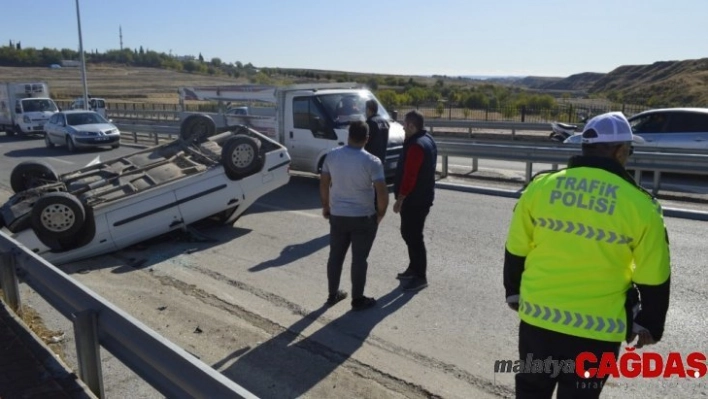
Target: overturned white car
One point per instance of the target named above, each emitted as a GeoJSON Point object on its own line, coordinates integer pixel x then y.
{"type": "Point", "coordinates": [114, 204]}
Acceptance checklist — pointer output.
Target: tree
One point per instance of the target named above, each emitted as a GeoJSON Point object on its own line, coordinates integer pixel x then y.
{"type": "Point", "coordinates": [216, 62]}
{"type": "Point", "coordinates": [19, 46]}
{"type": "Point", "coordinates": [141, 52]}
{"type": "Point", "coordinates": [201, 59]}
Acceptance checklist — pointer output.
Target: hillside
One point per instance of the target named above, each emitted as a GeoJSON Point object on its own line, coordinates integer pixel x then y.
{"type": "Point", "coordinates": [578, 82]}
{"type": "Point", "coordinates": [671, 83]}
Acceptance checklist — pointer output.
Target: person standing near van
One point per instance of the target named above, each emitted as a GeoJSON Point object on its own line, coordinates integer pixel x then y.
{"type": "Point", "coordinates": [378, 131]}
{"type": "Point", "coordinates": [414, 189]}
{"type": "Point", "coordinates": [349, 180]}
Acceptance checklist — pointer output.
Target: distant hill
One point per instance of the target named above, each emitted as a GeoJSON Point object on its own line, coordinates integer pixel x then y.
{"type": "Point", "coordinates": [670, 83]}
{"type": "Point", "coordinates": [537, 82]}
{"type": "Point", "coordinates": [578, 82]}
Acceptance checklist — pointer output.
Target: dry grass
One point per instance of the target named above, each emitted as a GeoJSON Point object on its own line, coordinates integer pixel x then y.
{"type": "Point", "coordinates": [52, 338]}
{"type": "Point", "coordinates": [132, 84]}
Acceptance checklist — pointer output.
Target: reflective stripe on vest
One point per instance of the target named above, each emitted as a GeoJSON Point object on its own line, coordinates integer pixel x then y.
{"type": "Point", "coordinates": [576, 320]}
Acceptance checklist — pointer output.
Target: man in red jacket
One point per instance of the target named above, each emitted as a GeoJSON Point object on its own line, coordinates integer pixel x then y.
{"type": "Point", "coordinates": [414, 190]}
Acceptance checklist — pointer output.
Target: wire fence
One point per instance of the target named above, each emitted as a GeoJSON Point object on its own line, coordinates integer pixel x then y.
{"type": "Point", "coordinates": [563, 112]}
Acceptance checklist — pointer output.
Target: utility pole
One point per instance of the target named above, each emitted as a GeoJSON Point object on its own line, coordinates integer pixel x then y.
{"type": "Point", "coordinates": [120, 31]}
{"type": "Point", "coordinates": [83, 59]}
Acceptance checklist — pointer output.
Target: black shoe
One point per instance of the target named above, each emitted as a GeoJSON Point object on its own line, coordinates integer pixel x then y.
{"type": "Point", "coordinates": [363, 303]}
{"type": "Point", "coordinates": [334, 299]}
{"type": "Point", "coordinates": [415, 284]}
{"type": "Point", "coordinates": [407, 275]}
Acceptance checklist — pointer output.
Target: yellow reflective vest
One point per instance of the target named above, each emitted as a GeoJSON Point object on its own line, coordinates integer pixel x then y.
{"type": "Point", "coordinates": [586, 234]}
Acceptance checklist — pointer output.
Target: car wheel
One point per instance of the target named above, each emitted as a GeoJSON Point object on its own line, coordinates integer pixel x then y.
{"type": "Point", "coordinates": [47, 141]}
{"type": "Point", "coordinates": [241, 156]}
{"type": "Point", "coordinates": [196, 128]}
{"type": "Point", "coordinates": [57, 216]}
{"type": "Point", "coordinates": [70, 144]}
{"type": "Point", "coordinates": [29, 174]}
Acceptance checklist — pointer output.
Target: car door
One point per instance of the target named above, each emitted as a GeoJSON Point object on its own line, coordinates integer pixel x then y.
{"type": "Point", "coordinates": [204, 197]}
{"type": "Point", "coordinates": [309, 134]}
{"type": "Point", "coordinates": [51, 128]}
{"type": "Point", "coordinates": [138, 221]}
{"type": "Point", "coordinates": [685, 129]}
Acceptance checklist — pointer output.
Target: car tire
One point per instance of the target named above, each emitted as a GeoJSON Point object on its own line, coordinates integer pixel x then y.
{"type": "Point", "coordinates": [57, 216]}
{"type": "Point", "coordinates": [29, 174]}
{"type": "Point", "coordinates": [47, 142]}
{"type": "Point", "coordinates": [196, 128]}
{"type": "Point", "coordinates": [241, 156]}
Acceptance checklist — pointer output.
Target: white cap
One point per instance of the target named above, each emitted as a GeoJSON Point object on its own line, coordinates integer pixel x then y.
{"type": "Point", "coordinates": [611, 127]}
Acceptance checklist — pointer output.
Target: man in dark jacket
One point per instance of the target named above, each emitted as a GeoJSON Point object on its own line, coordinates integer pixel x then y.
{"type": "Point", "coordinates": [378, 131]}
{"type": "Point", "coordinates": [414, 190]}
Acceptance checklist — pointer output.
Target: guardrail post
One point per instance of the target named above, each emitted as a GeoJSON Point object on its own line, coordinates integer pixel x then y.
{"type": "Point", "coordinates": [657, 182]}
{"type": "Point", "coordinates": [475, 164]}
{"type": "Point", "coordinates": [529, 171]}
{"type": "Point", "coordinates": [88, 351]}
{"type": "Point", "coordinates": [156, 139]}
{"type": "Point", "coordinates": [638, 176]}
{"type": "Point", "coordinates": [444, 166]}
{"type": "Point", "coordinates": [513, 134]}
{"type": "Point", "coordinates": [554, 166]}
{"type": "Point", "coordinates": [135, 137]}
{"type": "Point", "coordinates": [8, 280]}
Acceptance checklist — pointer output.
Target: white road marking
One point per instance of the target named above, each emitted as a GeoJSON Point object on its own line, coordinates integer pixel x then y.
{"type": "Point", "coordinates": [61, 160]}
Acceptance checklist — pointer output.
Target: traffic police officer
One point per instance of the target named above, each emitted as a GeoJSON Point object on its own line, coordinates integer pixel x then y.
{"type": "Point", "coordinates": [582, 243]}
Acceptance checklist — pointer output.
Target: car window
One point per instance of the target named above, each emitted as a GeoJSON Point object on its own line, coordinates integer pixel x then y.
{"type": "Point", "coordinates": [651, 123]}
{"type": "Point", "coordinates": [306, 114]}
{"type": "Point", "coordinates": [54, 118]}
{"type": "Point", "coordinates": [688, 122]}
{"type": "Point", "coordinates": [86, 118]}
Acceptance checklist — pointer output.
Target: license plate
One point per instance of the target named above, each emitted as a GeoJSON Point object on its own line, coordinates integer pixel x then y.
{"type": "Point", "coordinates": [101, 138]}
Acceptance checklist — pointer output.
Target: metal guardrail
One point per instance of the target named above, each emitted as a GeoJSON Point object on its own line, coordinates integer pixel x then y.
{"type": "Point", "coordinates": [168, 368]}
{"type": "Point", "coordinates": [645, 159]}
{"type": "Point", "coordinates": [657, 161]}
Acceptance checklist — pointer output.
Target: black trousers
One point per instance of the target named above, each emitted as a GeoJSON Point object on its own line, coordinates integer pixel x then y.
{"type": "Point", "coordinates": [359, 233]}
{"type": "Point", "coordinates": [540, 344]}
{"type": "Point", "coordinates": [412, 225]}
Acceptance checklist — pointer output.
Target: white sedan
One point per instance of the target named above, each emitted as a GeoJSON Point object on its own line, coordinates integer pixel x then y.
{"type": "Point", "coordinates": [114, 204]}
{"type": "Point", "coordinates": [80, 129]}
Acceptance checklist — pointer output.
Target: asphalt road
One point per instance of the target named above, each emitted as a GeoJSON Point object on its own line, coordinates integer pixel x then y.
{"type": "Point", "coordinates": [250, 304]}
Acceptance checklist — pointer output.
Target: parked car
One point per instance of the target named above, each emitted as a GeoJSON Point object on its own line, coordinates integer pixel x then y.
{"type": "Point", "coordinates": [668, 128]}
{"type": "Point", "coordinates": [80, 129]}
{"type": "Point", "coordinates": [110, 205]}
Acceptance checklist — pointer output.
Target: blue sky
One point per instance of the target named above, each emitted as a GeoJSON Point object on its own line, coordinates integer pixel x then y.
{"type": "Point", "coordinates": [446, 37]}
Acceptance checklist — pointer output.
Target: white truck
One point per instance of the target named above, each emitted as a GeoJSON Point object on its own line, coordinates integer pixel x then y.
{"type": "Point", "coordinates": [25, 107]}
{"type": "Point", "coordinates": [308, 119]}
{"type": "Point", "coordinates": [95, 104]}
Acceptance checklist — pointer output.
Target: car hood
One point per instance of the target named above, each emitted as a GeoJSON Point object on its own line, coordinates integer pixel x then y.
{"type": "Point", "coordinates": [39, 116]}
{"type": "Point", "coordinates": [396, 134]}
{"type": "Point", "coordinates": [94, 127]}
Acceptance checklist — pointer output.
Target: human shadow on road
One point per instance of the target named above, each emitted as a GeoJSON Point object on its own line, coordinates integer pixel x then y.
{"type": "Point", "coordinates": [287, 366]}
{"type": "Point", "coordinates": [293, 252]}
